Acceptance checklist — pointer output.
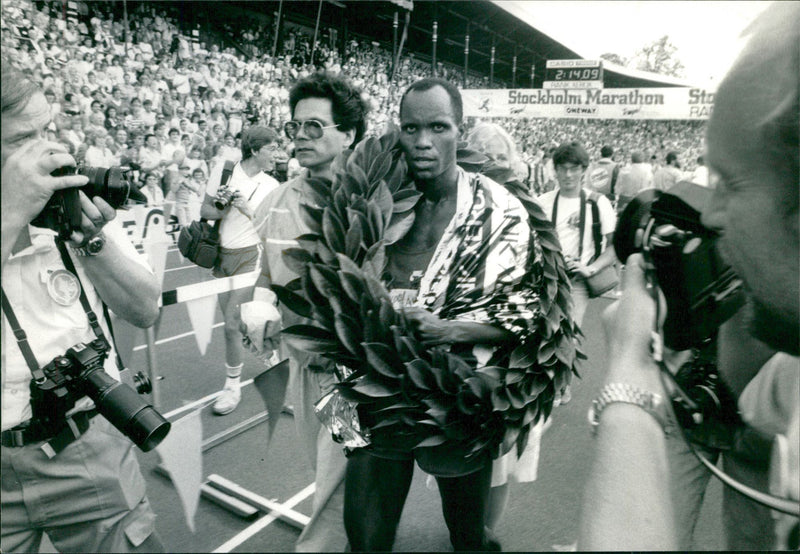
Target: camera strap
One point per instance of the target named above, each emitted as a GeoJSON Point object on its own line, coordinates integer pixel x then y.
{"type": "Point", "coordinates": [581, 219]}
{"type": "Point", "coordinates": [22, 341]}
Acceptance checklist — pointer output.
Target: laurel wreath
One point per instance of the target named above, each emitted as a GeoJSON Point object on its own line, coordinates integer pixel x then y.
{"type": "Point", "coordinates": [437, 394]}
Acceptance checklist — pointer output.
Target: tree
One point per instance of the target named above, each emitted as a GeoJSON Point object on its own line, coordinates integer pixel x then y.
{"type": "Point", "coordinates": [614, 58]}
{"type": "Point", "coordinates": [659, 57]}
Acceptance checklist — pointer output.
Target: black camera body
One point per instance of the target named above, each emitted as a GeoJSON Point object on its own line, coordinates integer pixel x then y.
{"type": "Point", "coordinates": [63, 213]}
{"type": "Point", "coordinates": [225, 196]}
{"type": "Point", "coordinates": [701, 290]}
{"type": "Point", "coordinates": [78, 373]}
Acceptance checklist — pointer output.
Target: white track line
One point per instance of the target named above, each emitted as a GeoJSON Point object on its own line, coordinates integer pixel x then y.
{"type": "Point", "coordinates": [262, 523]}
{"type": "Point", "coordinates": [175, 337]}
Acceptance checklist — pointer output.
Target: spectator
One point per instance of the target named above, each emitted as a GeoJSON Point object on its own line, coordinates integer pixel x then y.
{"type": "Point", "coordinates": [632, 180]}
{"type": "Point", "coordinates": [700, 174]}
{"type": "Point", "coordinates": [665, 177]}
{"type": "Point", "coordinates": [564, 206]}
{"type": "Point", "coordinates": [601, 176]}
{"type": "Point", "coordinates": [240, 248]}
{"type": "Point", "coordinates": [152, 189]}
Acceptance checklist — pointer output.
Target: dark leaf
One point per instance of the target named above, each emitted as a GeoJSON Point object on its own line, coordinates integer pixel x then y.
{"type": "Point", "coordinates": [296, 259]}
{"type": "Point", "coordinates": [420, 373]}
{"type": "Point", "coordinates": [293, 301]}
{"type": "Point", "coordinates": [349, 333]}
{"type": "Point", "coordinates": [354, 287]}
{"type": "Point", "coordinates": [325, 279]}
{"type": "Point", "coordinates": [383, 198]}
{"type": "Point", "coordinates": [381, 164]}
{"type": "Point", "coordinates": [353, 240]}
{"type": "Point", "coordinates": [311, 217]}
{"type": "Point", "coordinates": [376, 255]}
{"type": "Point", "coordinates": [522, 357]}
{"type": "Point", "coordinates": [311, 339]}
{"type": "Point", "coordinates": [372, 388]}
{"type": "Point", "coordinates": [351, 395]}
{"type": "Point", "coordinates": [500, 401]}
{"type": "Point", "coordinates": [383, 359]}
{"type": "Point", "coordinates": [405, 199]}
{"type": "Point", "coordinates": [434, 440]}
{"type": "Point", "coordinates": [333, 230]}
{"type": "Point", "coordinates": [399, 225]}
{"type": "Point", "coordinates": [317, 192]}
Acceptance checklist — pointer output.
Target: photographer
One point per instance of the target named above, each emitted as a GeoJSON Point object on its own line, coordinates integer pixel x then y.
{"type": "Point", "coordinates": [753, 147]}
{"type": "Point", "coordinates": [48, 469]}
{"type": "Point", "coordinates": [240, 248]}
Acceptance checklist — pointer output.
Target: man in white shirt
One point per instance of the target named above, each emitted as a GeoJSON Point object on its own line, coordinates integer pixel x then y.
{"type": "Point", "coordinates": [240, 247]}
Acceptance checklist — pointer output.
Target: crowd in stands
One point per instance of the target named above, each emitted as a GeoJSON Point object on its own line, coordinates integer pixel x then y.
{"type": "Point", "coordinates": [172, 107]}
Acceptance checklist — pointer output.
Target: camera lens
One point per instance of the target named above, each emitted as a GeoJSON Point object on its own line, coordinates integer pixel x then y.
{"type": "Point", "coordinates": [631, 224]}
{"type": "Point", "coordinates": [126, 410]}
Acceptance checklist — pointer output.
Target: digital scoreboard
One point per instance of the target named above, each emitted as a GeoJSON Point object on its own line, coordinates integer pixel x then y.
{"type": "Point", "coordinates": [573, 74]}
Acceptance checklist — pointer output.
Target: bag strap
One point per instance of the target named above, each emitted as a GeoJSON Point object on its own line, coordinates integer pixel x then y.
{"type": "Point", "coordinates": [614, 176]}
{"type": "Point", "coordinates": [582, 219]}
{"type": "Point", "coordinates": [597, 236]}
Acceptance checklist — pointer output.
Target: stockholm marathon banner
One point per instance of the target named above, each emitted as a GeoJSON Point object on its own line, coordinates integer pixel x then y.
{"type": "Point", "coordinates": [619, 103]}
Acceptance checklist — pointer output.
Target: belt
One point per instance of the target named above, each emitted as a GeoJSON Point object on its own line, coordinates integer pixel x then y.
{"type": "Point", "coordinates": [30, 432]}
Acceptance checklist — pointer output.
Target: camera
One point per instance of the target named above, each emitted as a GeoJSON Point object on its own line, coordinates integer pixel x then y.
{"type": "Point", "coordinates": [701, 290]}
{"type": "Point", "coordinates": [78, 373]}
{"type": "Point", "coordinates": [224, 198]}
{"type": "Point", "coordinates": [63, 213]}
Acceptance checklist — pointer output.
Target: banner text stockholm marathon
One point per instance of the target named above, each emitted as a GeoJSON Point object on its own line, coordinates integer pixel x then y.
{"type": "Point", "coordinates": [620, 103]}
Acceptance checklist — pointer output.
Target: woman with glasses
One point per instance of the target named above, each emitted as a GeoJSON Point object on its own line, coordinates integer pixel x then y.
{"type": "Point", "coordinates": [240, 247]}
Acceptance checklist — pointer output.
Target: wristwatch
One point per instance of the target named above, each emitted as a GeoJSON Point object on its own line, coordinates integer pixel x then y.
{"type": "Point", "coordinates": [91, 247]}
{"type": "Point", "coordinates": [650, 402]}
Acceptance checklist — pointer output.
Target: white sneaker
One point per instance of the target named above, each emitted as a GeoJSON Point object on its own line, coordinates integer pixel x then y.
{"type": "Point", "coordinates": [227, 401]}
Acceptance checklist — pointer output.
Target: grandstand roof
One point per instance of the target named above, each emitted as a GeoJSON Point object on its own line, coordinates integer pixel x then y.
{"type": "Point", "coordinates": [488, 23]}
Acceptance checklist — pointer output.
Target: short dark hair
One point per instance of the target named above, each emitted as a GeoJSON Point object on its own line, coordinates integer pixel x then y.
{"type": "Point", "coordinates": [452, 91]}
{"type": "Point", "coordinates": [254, 138]}
{"type": "Point", "coordinates": [637, 157]}
{"type": "Point", "coordinates": [347, 107]}
{"type": "Point", "coordinates": [571, 152]}
{"type": "Point", "coordinates": [606, 151]}
{"type": "Point", "coordinates": [671, 156]}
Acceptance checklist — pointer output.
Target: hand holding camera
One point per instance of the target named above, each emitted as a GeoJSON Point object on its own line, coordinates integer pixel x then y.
{"type": "Point", "coordinates": [32, 165]}
{"type": "Point", "coordinates": [225, 197]}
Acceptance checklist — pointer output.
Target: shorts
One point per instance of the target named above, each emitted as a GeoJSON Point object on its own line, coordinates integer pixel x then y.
{"type": "Point", "coordinates": [445, 460]}
{"type": "Point", "coordinates": [236, 261]}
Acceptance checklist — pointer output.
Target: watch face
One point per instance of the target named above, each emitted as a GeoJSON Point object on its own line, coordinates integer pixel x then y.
{"type": "Point", "coordinates": [95, 245]}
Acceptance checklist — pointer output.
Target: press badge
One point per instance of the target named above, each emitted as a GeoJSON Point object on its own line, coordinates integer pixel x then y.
{"type": "Point", "coordinates": [63, 287]}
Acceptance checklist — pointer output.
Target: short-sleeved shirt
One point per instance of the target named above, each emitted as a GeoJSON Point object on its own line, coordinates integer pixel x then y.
{"type": "Point", "coordinates": [568, 224]}
{"type": "Point", "coordinates": [236, 230]}
{"type": "Point", "coordinates": [35, 280]}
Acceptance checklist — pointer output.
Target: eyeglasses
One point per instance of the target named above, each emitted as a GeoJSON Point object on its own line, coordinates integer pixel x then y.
{"type": "Point", "coordinates": [569, 168]}
{"type": "Point", "coordinates": [311, 127]}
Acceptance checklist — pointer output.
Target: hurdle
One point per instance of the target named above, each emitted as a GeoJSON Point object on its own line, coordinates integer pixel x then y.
{"type": "Point", "coordinates": [217, 489]}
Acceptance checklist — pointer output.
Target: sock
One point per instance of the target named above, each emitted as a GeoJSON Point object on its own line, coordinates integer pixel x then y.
{"type": "Point", "coordinates": [233, 375]}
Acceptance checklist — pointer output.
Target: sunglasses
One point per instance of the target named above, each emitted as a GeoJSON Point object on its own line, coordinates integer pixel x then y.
{"type": "Point", "coordinates": [311, 127]}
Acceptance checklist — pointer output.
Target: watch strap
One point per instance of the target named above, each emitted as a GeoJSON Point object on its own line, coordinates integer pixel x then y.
{"type": "Point", "coordinates": [611, 393]}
